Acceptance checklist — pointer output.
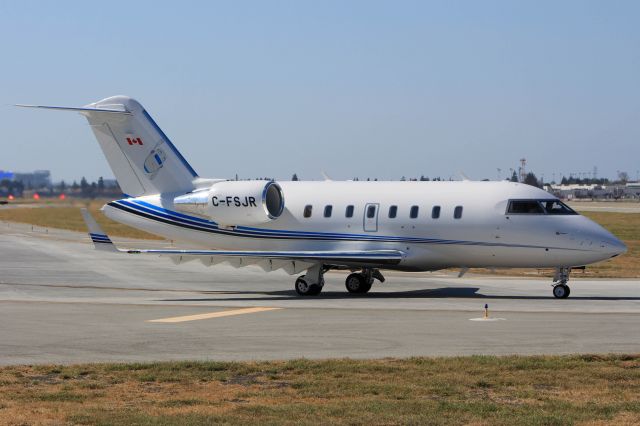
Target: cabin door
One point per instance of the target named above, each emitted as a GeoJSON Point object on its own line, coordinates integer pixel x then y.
{"type": "Point", "coordinates": [371, 217]}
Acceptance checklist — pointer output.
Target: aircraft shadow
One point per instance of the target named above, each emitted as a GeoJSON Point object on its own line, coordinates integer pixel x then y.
{"type": "Point", "coordinates": [438, 293]}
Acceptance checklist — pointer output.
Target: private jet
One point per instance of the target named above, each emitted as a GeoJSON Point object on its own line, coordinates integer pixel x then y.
{"type": "Point", "coordinates": [317, 226]}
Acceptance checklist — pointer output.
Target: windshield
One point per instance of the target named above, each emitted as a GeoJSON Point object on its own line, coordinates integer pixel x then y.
{"type": "Point", "coordinates": [553, 207]}
{"type": "Point", "coordinates": [556, 207]}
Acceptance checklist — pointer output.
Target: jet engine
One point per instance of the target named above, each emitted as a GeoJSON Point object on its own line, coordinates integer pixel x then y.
{"type": "Point", "coordinates": [231, 203]}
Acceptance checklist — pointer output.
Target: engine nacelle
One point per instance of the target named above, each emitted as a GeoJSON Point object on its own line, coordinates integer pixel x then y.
{"type": "Point", "coordinates": [235, 202]}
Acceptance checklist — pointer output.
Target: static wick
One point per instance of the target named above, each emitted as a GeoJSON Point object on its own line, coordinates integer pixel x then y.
{"type": "Point", "coordinates": [486, 311]}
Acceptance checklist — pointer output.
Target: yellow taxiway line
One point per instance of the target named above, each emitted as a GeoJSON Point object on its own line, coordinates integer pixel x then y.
{"type": "Point", "coordinates": [214, 315]}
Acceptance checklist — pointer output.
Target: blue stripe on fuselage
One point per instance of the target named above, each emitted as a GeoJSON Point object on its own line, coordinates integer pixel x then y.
{"type": "Point", "coordinates": [157, 213]}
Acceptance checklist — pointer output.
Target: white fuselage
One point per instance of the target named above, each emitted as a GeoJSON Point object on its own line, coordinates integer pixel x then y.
{"type": "Point", "coordinates": [485, 235]}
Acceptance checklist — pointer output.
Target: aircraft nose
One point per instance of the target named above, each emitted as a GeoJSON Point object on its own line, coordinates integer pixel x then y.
{"type": "Point", "coordinates": [615, 247]}
{"type": "Point", "coordinates": [609, 244]}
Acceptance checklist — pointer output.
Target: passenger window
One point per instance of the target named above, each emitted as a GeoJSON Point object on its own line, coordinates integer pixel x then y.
{"type": "Point", "coordinates": [371, 212]}
{"type": "Point", "coordinates": [393, 212]}
{"type": "Point", "coordinates": [524, 207]}
{"type": "Point", "coordinates": [349, 212]}
{"type": "Point", "coordinates": [435, 212]}
{"type": "Point", "coordinates": [556, 207]}
{"type": "Point", "coordinates": [457, 212]}
{"type": "Point", "coordinates": [413, 213]}
{"type": "Point", "coordinates": [307, 210]}
{"type": "Point", "coordinates": [327, 210]}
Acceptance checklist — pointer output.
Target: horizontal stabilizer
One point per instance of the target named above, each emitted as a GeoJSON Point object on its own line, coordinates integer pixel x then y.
{"type": "Point", "coordinates": [117, 109]}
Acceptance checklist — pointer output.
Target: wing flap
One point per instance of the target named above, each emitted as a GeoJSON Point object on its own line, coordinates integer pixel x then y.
{"type": "Point", "coordinates": [347, 257]}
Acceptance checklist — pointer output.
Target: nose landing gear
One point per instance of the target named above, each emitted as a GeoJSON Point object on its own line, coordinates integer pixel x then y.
{"type": "Point", "coordinates": [560, 288]}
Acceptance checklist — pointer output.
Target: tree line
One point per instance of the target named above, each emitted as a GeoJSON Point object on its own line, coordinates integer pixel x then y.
{"type": "Point", "coordinates": [84, 188]}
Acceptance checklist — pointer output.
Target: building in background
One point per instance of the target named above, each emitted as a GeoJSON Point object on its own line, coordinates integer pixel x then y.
{"type": "Point", "coordinates": [615, 191]}
{"type": "Point", "coordinates": [34, 180]}
{"type": "Point", "coordinates": [6, 175]}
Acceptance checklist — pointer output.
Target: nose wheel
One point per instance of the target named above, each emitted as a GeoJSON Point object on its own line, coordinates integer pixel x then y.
{"type": "Point", "coordinates": [561, 291]}
{"type": "Point", "coordinates": [560, 288]}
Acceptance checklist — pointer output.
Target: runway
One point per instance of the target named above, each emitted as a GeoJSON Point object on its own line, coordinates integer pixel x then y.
{"type": "Point", "coordinates": [63, 302]}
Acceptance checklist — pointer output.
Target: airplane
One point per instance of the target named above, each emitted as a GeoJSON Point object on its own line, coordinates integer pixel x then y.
{"type": "Point", "coordinates": [315, 226]}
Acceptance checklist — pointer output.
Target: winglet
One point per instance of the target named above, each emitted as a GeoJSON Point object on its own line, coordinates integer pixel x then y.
{"type": "Point", "coordinates": [100, 240]}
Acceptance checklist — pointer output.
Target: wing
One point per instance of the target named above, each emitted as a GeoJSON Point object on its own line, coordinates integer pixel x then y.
{"type": "Point", "coordinates": [292, 262]}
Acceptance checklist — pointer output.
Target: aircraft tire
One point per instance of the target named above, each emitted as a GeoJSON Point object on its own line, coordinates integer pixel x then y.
{"type": "Point", "coordinates": [357, 284]}
{"type": "Point", "coordinates": [561, 291]}
{"type": "Point", "coordinates": [305, 289]}
{"type": "Point", "coordinates": [301, 286]}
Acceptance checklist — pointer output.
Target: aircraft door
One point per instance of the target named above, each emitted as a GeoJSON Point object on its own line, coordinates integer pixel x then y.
{"type": "Point", "coordinates": [371, 217]}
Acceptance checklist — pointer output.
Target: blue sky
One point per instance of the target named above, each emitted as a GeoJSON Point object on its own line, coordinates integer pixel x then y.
{"type": "Point", "coordinates": [368, 89]}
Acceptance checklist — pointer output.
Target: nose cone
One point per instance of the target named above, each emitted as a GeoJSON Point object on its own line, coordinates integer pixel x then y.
{"type": "Point", "coordinates": [613, 246]}
{"type": "Point", "coordinates": [607, 243]}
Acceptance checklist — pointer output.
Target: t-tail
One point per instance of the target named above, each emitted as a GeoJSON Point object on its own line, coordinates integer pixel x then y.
{"type": "Point", "coordinates": [141, 156]}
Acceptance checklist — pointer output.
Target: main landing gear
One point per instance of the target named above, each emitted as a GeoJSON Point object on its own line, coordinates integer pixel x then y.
{"type": "Point", "coordinates": [311, 283]}
{"type": "Point", "coordinates": [360, 283]}
{"type": "Point", "coordinates": [560, 288]}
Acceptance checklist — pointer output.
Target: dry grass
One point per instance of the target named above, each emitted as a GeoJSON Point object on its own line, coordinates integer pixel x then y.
{"type": "Point", "coordinates": [465, 390]}
{"type": "Point", "coordinates": [66, 215]}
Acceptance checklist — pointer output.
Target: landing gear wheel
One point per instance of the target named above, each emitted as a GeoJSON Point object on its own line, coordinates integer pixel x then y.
{"type": "Point", "coordinates": [357, 284]}
{"type": "Point", "coordinates": [561, 291]}
{"type": "Point", "coordinates": [303, 288]}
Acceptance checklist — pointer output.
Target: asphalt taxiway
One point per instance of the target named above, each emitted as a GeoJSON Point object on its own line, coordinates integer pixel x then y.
{"type": "Point", "coordinates": [63, 302]}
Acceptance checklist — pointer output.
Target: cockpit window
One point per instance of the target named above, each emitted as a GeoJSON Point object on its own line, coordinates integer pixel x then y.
{"type": "Point", "coordinates": [524, 207]}
{"type": "Point", "coordinates": [554, 207]}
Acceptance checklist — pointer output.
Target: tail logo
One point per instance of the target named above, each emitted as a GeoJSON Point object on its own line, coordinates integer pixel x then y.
{"type": "Point", "coordinates": [154, 162]}
{"type": "Point", "coordinates": [134, 141]}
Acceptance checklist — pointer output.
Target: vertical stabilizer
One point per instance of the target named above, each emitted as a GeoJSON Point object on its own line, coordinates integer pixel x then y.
{"type": "Point", "coordinates": [142, 157]}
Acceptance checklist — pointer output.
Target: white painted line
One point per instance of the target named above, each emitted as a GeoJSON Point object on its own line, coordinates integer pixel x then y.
{"type": "Point", "coordinates": [214, 315]}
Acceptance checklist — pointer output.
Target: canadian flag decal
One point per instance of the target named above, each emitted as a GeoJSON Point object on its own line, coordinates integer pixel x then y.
{"type": "Point", "coordinates": [133, 141]}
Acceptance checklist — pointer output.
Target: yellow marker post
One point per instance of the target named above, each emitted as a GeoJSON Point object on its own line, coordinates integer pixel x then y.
{"type": "Point", "coordinates": [486, 311]}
